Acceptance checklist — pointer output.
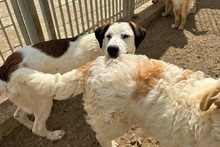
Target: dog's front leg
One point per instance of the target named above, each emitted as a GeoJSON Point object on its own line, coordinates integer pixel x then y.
{"type": "Point", "coordinates": [41, 116]}
{"type": "Point", "coordinates": [106, 132]}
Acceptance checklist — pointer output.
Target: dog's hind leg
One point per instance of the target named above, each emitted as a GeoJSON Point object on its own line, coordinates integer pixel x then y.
{"type": "Point", "coordinates": [184, 13]}
{"type": "Point", "coordinates": [41, 117]}
{"type": "Point", "coordinates": [176, 12]}
{"type": "Point", "coordinates": [168, 8]}
{"type": "Point", "coordinates": [21, 116]}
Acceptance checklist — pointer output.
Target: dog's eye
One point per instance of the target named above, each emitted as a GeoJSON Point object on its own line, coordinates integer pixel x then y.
{"type": "Point", "coordinates": [125, 36]}
{"type": "Point", "coordinates": [109, 36]}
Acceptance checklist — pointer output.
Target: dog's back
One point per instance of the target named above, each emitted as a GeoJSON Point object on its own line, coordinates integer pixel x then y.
{"type": "Point", "coordinates": [60, 59]}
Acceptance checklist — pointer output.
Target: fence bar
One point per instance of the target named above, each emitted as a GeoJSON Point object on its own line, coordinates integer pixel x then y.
{"type": "Point", "coordinates": [5, 34]}
{"type": "Point", "coordinates": [92, 15]}
{"type": "Point", "coordinates": [128, 8]}
{"type": "Point", "coordinates": [97, 14]}
{"type": "Point", "coordinates": [3, 59]}
{"type": "Point", "coordinates": [21, 24]}
{"type": "Point", "coordinates": [87, 15]}
{"type": "Point", "coordinates": [81, 14]}
{"type": "Point", "coordinates": [105, 8]}
{"type": "Point", "coordinates": [24, 6]}
{"type": "Point", "coordinates": [101, 12]}
{"type": "Point", "coordinates": [36, 20]}
{"type": "Point", "coordinates": [13, 23]}
{"type": "Point", "coordinates": [109, 11]}
{"type": "Point", "coordinates": [120, 6]}
{"type": "Point", "coordinates": [117, 12]}
{"type": "Point", "coordinates": [69, 18]}
{"type": "Point", "coordinates": [48, 19]}
{"type": "Point", "coordinates": [62, 18]}
{"type": "Point", "coordinates": [55, 19]}
{"type": "Point", "coordinates": [75, 15]}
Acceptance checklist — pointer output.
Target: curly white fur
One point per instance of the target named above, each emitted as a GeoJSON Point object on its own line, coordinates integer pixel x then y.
{"type": "Point", "coordinates": [159, 97]}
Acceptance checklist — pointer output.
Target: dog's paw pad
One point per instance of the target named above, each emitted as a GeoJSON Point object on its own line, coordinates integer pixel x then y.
{"type": "Point", "coordinates": [56, 135]}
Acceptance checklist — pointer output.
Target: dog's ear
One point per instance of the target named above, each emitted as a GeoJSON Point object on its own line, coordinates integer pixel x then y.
{"type": "Point", "coordinates": [139, 33]}
{"type": "Point", "coordinates": [100, 33]}
{"type": "Point", "coordinates": [209, 97]}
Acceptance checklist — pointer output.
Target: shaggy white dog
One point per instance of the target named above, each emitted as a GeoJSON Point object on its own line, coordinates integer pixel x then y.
{"type": "Point", "coordinates": [60, 56]}
{"type": "Point", "coordinates": [161, 98]}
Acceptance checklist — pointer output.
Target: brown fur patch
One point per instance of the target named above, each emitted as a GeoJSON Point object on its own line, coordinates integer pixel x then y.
{"type": "Point", "coordinates": [10, 65]}
{"type": "Point", "coordinates": [55, 48]}
{"type": "Point", "coordinates": [139, 33]}
{"type": "Point", "coordinates": [84, 70]}
{"type": "Point", "coordinates": [149, 72]}
{"type": "Point", "coordinates": [184, 75]}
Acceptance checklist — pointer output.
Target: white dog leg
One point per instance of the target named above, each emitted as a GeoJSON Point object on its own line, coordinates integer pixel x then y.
{"type": "Point", "coordinates": [21, 116]}
{"type": "Point", "coordinates": [106, 133]}
{"type": "Point", "coordinates": [39, 127]}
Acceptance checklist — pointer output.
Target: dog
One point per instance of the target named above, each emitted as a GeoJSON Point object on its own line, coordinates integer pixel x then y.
{"type": "Point", "coordinates": [63, 55]}
{"type": "Point", "coordinates": [181, 8]}
{"type": "Point", "coordinates": [60, 56]}
{"type": "Point", "coordinates": [161, 98]}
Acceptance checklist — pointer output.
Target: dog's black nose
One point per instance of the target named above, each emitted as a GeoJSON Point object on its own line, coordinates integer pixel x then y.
{"type": "Point", "coordinates": [113, 51]}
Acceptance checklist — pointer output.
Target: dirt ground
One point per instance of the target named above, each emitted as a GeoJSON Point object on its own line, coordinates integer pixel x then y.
{"type": "Point", "coordinates": [196, 48]}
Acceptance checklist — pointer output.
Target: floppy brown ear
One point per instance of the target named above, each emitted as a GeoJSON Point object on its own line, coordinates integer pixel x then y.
{"type": "Point", "coordinates": [100, 33]}
{"type": "Point", "coordinates": [209, 97]}
{"type": "Point", "coordinates": [139, 33]}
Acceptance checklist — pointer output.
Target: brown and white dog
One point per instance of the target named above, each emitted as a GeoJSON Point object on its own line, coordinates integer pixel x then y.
{"type": "Point", "coordinates": [63, 55]}
{"type": "Point", "coordinates": [161, 98]}
{"type": "Point", "coordinates": [181, 8]}
{"type": "Point", "coordinates": [60, 56]}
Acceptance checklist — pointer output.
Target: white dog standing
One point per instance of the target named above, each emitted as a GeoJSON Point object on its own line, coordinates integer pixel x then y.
{"type": "Point", "coordinates": [161, 98]}
{"type": "Point", "coordinates": [60, 56]}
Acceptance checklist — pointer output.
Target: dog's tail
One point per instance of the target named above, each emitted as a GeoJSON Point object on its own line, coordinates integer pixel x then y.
{"type": "Point", "coordinates": [210, 96]}
{"type": "Point", "coordinates": [58, 86]}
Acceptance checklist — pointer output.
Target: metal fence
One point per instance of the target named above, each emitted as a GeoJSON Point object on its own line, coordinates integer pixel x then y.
{"type": "Point", "coordinates": [24, 22]}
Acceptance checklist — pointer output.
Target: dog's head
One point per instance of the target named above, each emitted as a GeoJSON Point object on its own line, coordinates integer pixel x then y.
{"type": "Point", "coordinates": [120, 38]}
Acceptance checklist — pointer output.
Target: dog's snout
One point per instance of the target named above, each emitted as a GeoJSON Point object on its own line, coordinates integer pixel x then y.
{"type": "Point", "coordinates": [113, 51]}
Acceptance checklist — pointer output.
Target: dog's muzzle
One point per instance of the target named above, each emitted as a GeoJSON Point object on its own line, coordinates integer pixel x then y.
{"type": "Point", "coordinates": [113, 51]}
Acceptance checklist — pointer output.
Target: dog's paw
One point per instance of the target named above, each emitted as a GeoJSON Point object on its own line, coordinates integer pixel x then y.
{"type": "Point", "coordinates": [180, 28]}
{"type": "Point", "coordinates": [174, 26]}
{"type": "Point", "coordinates": [55, 135]}
{"type": "Point", "coordinates": [164, 14]}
